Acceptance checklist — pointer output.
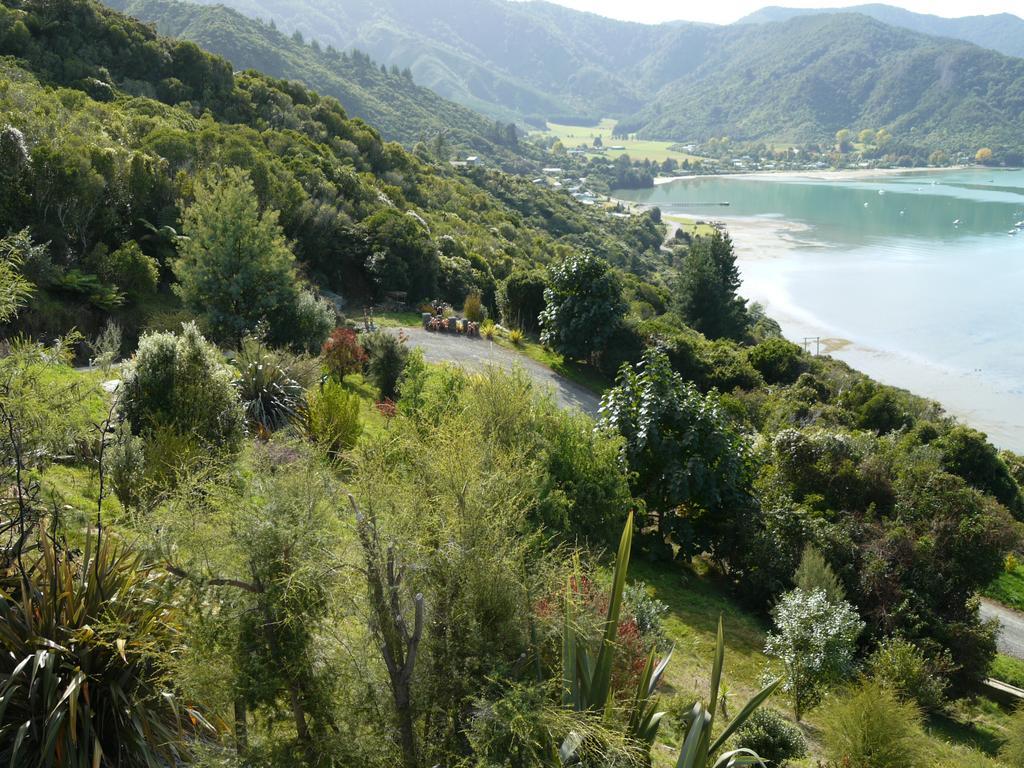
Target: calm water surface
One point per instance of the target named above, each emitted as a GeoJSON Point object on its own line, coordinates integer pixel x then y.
{"type": "Point", "coordinates": [918, 271]}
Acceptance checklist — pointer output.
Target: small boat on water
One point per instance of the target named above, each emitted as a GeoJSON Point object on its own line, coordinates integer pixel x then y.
{"type": "Point", "coordinates": [956, 223]}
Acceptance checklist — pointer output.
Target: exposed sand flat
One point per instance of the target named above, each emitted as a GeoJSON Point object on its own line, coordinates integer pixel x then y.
{"type": "Point", "coordinates": [845, 174]}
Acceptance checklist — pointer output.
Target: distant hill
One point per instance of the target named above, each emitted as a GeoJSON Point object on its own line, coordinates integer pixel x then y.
{"type": "Point", "coordinates": [812, 75]}
{"type": "Point", "coordinates": [799, 79]}
{"type": "Point", "coordinates": [1001, 32]}
{"type": "Point", "coordinates": [389, 98]}
{"type": "Point", "coordinates": [501, 58]}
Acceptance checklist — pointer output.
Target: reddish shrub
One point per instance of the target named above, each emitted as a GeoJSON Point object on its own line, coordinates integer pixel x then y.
{"type": "Point", "coordinates": [342, 352]}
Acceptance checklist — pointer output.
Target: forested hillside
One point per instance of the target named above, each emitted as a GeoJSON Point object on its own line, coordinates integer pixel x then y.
{"type": "Point", "coordinates": [498, 57]}
{"type": "Point", "coordinates": [813, 75]}
{"type": "Point", "coordinates": [386, 98]}
{"type": "Point", "coordinates": [798, 80]}
{"type": "Point", "coordinates": [255, 531]}
{"type": "Point", "coordinates": [106, 159]}
{"type": "Point", "coordinates": [1001, 32]}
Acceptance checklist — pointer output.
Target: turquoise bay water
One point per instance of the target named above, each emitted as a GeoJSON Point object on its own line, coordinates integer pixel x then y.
{"type": "Point", "coordinates": [917, 270]}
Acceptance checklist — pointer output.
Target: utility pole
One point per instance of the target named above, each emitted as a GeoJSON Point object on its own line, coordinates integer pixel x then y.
{"type": "Point", "coordinates": [817, 344]}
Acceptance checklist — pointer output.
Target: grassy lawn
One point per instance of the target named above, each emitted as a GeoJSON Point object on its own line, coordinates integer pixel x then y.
{"type": "Point", "coordinates": [690, 226]}
{"type": "Point", "coordinates": [1008, 588]}
{"type": "Point", "coordinates": [573, 135]}
{"type": "Point", "coordinates": [1008, 669]}
{"type": "Point", "coordinates": [393, 319]}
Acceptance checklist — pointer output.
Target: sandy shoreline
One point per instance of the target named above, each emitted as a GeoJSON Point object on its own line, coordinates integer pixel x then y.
{"type": "Point", "coordinates": [966, 395]}
{"type": "Point", "coordinates": [844, 174]}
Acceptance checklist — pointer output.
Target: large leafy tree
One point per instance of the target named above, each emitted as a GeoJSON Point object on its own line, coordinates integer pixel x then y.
{"type": "Point", "coordinates": [927, 561]}
{"type": "Point", "coordinates": [706, 289]}
{"type": "Point", "coordinates": [584, 307]}
{"type": "Point", "coordinates": [686, 459]}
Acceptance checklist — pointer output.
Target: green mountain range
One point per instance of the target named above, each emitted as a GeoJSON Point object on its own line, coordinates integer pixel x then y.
{"type": "Point", "coordinates": [386, 98]}
{"type": "Point", "coordinates": [1001, 32]}
{"type": "Point", "coordinates": [799, 79]}
{"type": "Point", "coordinates": [804, 79]}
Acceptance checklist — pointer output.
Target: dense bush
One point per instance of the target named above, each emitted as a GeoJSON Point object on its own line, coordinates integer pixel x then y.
{"type": "Point", "coordinates": [901, 666]}
{"type": "Point", "coordinates": [777, 360]}
{"type": "Point", "coordinates": [868, 727]}
{"type": "Point", "coordinates": [177, 382]}
{"type": "Point", "coordinates": [132, 271]}
{"type": "Point", "coordinates": [520, 299]}
{"type": "Point", "coordinates": [331, 417]}
{"type": "Point", "coordinates": [968, 454]}
{"type": "Point", "coordinates": [772, 737]}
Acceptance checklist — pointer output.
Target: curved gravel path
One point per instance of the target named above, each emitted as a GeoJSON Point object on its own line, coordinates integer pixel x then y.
{"type": "Point", "coordinates": [1011, 627]}
{"type": "Point", "coordinates": [476, 354]}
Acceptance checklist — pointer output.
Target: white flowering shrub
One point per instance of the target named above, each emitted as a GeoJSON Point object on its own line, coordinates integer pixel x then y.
{"type": "Point", "coordinates": [815, 641]}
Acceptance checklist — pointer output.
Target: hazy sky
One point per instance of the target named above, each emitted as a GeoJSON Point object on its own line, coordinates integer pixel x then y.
{"type": "Point", "coordinates": [726, 11]}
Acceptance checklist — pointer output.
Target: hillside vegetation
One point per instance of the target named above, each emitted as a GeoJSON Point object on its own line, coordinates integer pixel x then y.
{"type": "Point", "coordinates": [797, 80]}
{"type": "Point", "coordinates": [386, 98]}
{"type": "Point", "coordinates": [257, 532]}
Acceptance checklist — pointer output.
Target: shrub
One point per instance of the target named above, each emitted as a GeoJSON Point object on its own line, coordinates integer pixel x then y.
{"type": "Point", "coordinates": [902, 667]}
{"type": "Point", "coordinates": [473, 308]}
{"type": "Point", "coordinates": [772, 737]}
{"type": "Point", "coordinates": [133, 272]}
{"type": "Point", "coordinates": [520, 299]}
{"type": "Point", "coordinates": [342, 353]}
{"type": "Point", "coordinates": [178, 382]}
{"type": "Point", "coordinates": [82, 674]}
{"type": "Point", "coordinates": [815, 642]}
{"type": "Point", "coordinates": [270, 396]}
{"type": "Point", "coordinates": [305, 327]}
{"type": "Point", "coordinates": [125, 467]}
{"type": "Point", "coordinates": [647, 611]}
{"type": "Point", "coordinates": [332, 418]}
{"type": "Point", "coordinates": [516, 337]}
{"type": "Point", "coordinates": [386, 358]}
{"type": "Point", "coordinates": [814, 572]}
{"type": "Point", "coordinates": [487, 330]}
{"type": "Point", "coordinates": [106, 348]}
{"type": "Point", "coordinates": [777, 360]}
{"type": "Point", "coordinates": [868, 727]}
